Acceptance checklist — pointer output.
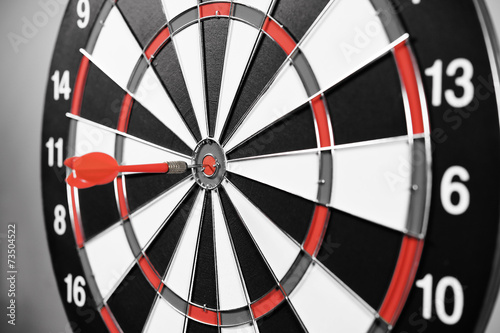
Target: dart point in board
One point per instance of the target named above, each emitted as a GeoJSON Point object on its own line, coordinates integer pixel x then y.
{"type": "Point", "coordinates": [98, 168]}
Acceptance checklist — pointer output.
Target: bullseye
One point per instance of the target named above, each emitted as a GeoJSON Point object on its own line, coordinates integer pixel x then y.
{"type": "Point", "coordinates": [210, 165]}
{"type": "Point", "coordinates": [210, 161]}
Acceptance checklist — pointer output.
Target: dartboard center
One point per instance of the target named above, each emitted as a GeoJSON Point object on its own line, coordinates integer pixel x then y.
{"type": "Point", "coordinates": [210, 165]}
{"type": "Point", "coordinates": [210, 159]}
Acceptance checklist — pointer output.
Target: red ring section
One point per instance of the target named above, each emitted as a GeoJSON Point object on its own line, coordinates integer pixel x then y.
{"type": "Point", "coordinates": [411, 248]}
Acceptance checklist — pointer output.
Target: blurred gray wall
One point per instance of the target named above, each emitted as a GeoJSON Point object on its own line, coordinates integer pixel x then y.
{"type": "Point", "coordinates": [23, 77]}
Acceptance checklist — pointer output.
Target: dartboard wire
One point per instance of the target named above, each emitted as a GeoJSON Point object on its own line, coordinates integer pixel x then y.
{"type": "Point", "coordinates": [173, 33]}
{"type": "Point", "coordinates": [196, 253]}
{"type": "Point", "coordinates": [270, 270]}
{"type": "Point", "coordinates": [286, 61]}
{"type": "Point", "coordinates": [212, 198]}
{"type": "Point", "coordinates": [426, 135]}
{"type": "Point", "coordinates": [119, 224]}
{"type": "Point", "coordinates": [134, 95]}
{"type": "Point", "coordinates": [167, 219]}
{"type": "Point", "coordinates": [147, 324]}
{"type": "Point", "coordinates": [312, 258]}
{"type": "Point", "coordinates": [218, 136]}
{"type": "Point", "coordinates": [125, 135]}
{"type": "Point", "coordinates": [204, 73]}
{"type": "Point", "coordinates": [238, 266]}
{"type": "Point", "coordinates": [321, 92]}
{"type": "Point", "coordinates": [150, 63]}
{"type": "Point", "coordinates": [368, 143]}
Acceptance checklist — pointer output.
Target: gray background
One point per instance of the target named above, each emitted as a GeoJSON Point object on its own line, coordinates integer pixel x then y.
{"type": "Point", "coordinates": [23, 77]}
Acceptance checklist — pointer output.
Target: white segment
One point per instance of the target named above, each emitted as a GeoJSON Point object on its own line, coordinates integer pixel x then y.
{"type": "Point", "coordinates": [231, 292]}
{"type": "Point", "coordinates": [152, 95]}
{"type": "Point", "coordinates": [297, 174]}
{"type": "Point", "coordinates": [373, 182]}
{"type": "Point", "coordinates": [147, 221]}
{"type": "Point", "coordinates": [278, 249]}
{"type": "Point", "coordinates": [179, 276]}
{"type": "Point", "coordinates": [262, 5]}
{"type": "Point", "coordinates": [284, 95]}
{"type": "Point", "coordinates": [164, 315]}
{"type": "Point", "coordinates": [348, 36]}
{"type": "Point", "coordinates": [136, 152]}
{"type": "Point", "coordinates": [240, 43]}
{"type": "Point", "coordinates": [239, 329]}
{"type": "Point", "coordinates": [324, 305]}
{"type": "Point", "coordinates": [174, 8]}
{"type": "Point", "coordinates": [188, 46]}
{"type": "Point", "coordinates": [116, 51]}
{"type": "Point", "coordinates": [91, 139]}
{"type": "Point", "coordinates": [110, 256]}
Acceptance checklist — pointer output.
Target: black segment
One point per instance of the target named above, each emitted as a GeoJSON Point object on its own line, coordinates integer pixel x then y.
{"type": "Point", "coordinates": [267, 60]}
{"type": "Point", "coordinates": [362, 254]}
{"type": "Point", "coordinates": [145, 18]}
{"type": "Point", "coordinates": [294, 132]}
{"type": "Point", "coordinates": [102, 108]}
{"type": "Point", "coordinates": [287, 12]}
{"type": "Point", "coordinates": [98, 209]}
{"type": "Point", "coordinates": [290, 213]}
{"type": "Point", "coordinates": [162, 249]}
{"type": "Point", "coordinates": [144, 125]}
{"type": "Point", "coordinates": [132, 301]}
{"type": "Point", "coordinates": [142, 188]}
{"type": "Point", "coordinates": [214, 37]}
{"type": "Point", "coordinates": [169, 70]}
{"type": "Point", "coordinates": [204, 283]}
{"type": "Point", "coordinates": [258, 279]}
{"type": "Point", "coordinates": [281, 319]}
{"type": "Point", "coordinates": [362, 108]}
{"type": "Point", "coordinates": [196, 327]}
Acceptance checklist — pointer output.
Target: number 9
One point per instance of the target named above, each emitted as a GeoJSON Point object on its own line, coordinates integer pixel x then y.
{"type": "Point", "coordinates": [83, 11]}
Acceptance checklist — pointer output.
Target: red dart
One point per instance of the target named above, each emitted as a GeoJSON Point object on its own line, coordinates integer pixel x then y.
{"type": "Point", "coordinates": [99, 169]}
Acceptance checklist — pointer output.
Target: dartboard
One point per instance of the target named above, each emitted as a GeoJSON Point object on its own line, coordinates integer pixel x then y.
{"type": "Point", "coordinates": [273, 166]}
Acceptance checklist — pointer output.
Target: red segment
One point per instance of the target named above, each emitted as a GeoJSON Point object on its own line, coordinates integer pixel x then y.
{"type": "Point", "coordinates": [209, 165]}
{"type": "Point", "coordinates": [157, 43]}
{"type": "Point", "coordinates": [81, 79]}
{"type": "Point", "coordinates": [402, 281]}
{"type": "Point", "coordinates": [407, 72]}
{"type": "Point", "coordinates": [124, 118]}
{"type": "Point", "coordinates": [204, 315]}
{"type": "Point", "coordinates": [316, 232]}
{"type": "Point", "coordinates": [279, 35]}
{"type": "Point", "coordinates": [322, 121]}
{"type": "Point", "coordinates": [150, 273]}
{"type": "Point", "coordinates": [121, 198]}
{"type": "Point", "coordinates": [211, 9]}
{"type": "Point", "coordinates": [76, 221]}
{"type": "Point", "coordinates": [109, 321]}
{"type": "Point", "coordinates": [267, 303]}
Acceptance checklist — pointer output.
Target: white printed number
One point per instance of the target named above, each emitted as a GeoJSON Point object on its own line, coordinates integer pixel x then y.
{"type": "Point", "coordinates": [61, 85]}
{"type": "Point", "coordinates": [448, 282]}
{"type": "Point", "coordinates": [60, 220]}
{"type": "Point", "coordinates": [464, 81]}
{"type": "Point", "coordinates": [83, 11]}
{"type": "Point", "coordinates": [55, 152]}
{"type": "Point", "coordinates": [449, 186]}
{"type": "Point", "coordinates": [74, 290]}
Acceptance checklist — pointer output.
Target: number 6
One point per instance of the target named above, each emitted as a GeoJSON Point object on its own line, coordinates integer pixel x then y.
{"type": "Point", "coordinates": [448, 187]}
